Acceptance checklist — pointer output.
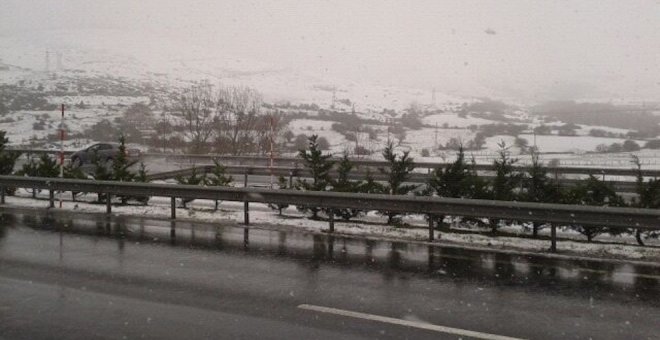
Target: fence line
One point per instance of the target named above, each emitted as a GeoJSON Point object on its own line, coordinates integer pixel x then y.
{"type": "Point", "coordinates": [641, 219]}
{"type": "Point", "coordinates": [291, 172]}
{"type": "Point", "coordinates": [207, 159]}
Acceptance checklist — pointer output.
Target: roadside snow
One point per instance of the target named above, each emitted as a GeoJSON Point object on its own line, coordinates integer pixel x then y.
{"type": "Point", "coordinates": [368, 226]}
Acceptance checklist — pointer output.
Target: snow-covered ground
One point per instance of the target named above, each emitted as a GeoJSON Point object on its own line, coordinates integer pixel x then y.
{"type": "Point", "coordinates": [20, 129]}
{"type": "Point", "coordinates": [177, 63]}
{"type": "Point", "coordinates": [453, 120]}
{"type": "Point", "coordinates": [425, 138]}
{"type": "Point", "coordinates": [88, 60]}
{"type": "Point", "coordinates": [585, 129]}
{"type": "Point", "coordinates": [98, 100]}
{"type": "Point", "coordinates": [571, 143]}
{"type": "Point", "coordinates": [370, 225]}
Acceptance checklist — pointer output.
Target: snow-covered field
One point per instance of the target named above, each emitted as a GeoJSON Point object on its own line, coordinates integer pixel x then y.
{"type": "Point", "coordinates": [20, 130]}
{"type": "Point", "coordinates": [89, 54]}
{"type": "Point", "coordinates": [571, 143]}
{"type": "Point", "coordinates": [321, 128]}
{"type": "Point", "coordinates": [368, 226]}
{"type": "Point", "coordinates": [87, 60]}
{"type": "Point", "coordinates": [585, 129]}
{"type": "Point", "coordinates": [97, 100]}
{"type": "Point", "coordinates": [425, 138]}
{"type": "Point", "coordinates": [453, 120]}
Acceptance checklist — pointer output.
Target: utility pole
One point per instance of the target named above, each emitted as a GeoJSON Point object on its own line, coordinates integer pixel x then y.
{"type": "Point", "coordinates": [433, 98]}
{"type": "Point", "coordinates": [272, 147]}
{"type": "Point", "coordinates": [357, 140]}
{"type": "Point", "coordinates": [334, 97]}
{"type": "Point", "coordinates": [47, 61]}
{"type": "Point", "coordinates": [61, 150]}
{"type": "Point", "coordinates": [59, 61]}
{"type": "Point", "coordinates": [534, 134]}
{"type": "Point", "coordinates": [388, 122]}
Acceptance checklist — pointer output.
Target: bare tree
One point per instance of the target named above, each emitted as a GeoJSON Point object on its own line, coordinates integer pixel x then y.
{"type": "Point", "coordinates": [239, 122]}
{"type": "Point", "coordinates": [264, 133]}
{"type": "Point", "coordinates": [198, 109]}
{"type": "Point", "coordinates": [228, 116]}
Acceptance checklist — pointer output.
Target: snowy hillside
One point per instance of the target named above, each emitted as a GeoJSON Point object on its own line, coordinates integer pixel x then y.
{"type": "Point", "coordinates": [165, 61]}
{"type": "Point", "coordinates": [98, 81]}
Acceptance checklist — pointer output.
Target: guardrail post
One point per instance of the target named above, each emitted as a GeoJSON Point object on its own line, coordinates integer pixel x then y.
{"type": "Point", "coordinates": [431, 258]}
{"type": "Point", "coordinates": [108, 203]}
{"type": "Point", "coordinates": [51, 198]}
{"type": "Point", "coordinates": [172, 231]}
{"type": "Point", "coordinates": [331, 247]}
{"type": "Point", "coordinates": [2, 195]}
{"type": "Point", "coordinates": [173, 207]}
{"type": "Point", "coordinates": [246, 212]}
{"type": "Point", "coordinates": [331, 220]}
{"type": "Point", "coordinates": [431, 225]}
{"type": "Point", "coordinates": [246, 204]}
{"type": "Point", "coordinates": [553, 238]}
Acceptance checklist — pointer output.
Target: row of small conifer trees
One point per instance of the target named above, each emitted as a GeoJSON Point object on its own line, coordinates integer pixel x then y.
{"type": "Point", "coordinates": [458, 179]}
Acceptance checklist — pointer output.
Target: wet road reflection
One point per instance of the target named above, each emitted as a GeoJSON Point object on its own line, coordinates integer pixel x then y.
{"type": "Point", "coordinates": [393, 260]}
{"type": "Point", "coordinates": [159, 265]}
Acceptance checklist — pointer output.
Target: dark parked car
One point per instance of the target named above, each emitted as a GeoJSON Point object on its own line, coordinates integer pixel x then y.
{"type": "Point", "coordinates": [106, 152]}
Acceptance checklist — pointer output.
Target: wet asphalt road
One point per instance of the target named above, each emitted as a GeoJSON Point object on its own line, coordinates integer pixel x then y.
{"type": "Point", "coordinates": [82, 277]}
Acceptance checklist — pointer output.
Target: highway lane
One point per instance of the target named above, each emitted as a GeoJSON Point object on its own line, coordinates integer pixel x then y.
{"type": "Point", "coordinates": [83, 276]}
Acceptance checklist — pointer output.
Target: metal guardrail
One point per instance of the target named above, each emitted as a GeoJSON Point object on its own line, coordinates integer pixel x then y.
{"type": "Point", "coordinates": [418, 178]}
{"type": "Point", "coordinates": [643, 219]}
{"type": "Point", "coordinates": [297, 163]}
{"type": "Point", "coordinates": [40, 151]}
{"type": "Point", "coordinates": [251, 165]}
{"type": "Point", "coordinates": [232, 170]}
{"type": "Point", "coordinates": [295, 169]}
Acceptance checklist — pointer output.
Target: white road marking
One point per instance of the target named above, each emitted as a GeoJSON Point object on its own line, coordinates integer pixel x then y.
{"type": "Point", "coordinates": [401, 322]}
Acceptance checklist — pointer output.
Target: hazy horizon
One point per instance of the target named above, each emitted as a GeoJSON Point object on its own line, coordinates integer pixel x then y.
{"type": "Point", "coordinates": [530, 50]}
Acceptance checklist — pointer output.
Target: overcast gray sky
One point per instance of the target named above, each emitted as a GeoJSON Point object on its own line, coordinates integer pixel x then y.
{"type": "Point", "coordinates": [552, 47]}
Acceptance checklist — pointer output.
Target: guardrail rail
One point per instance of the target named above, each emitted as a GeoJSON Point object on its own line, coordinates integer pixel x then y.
{"type": "Point", "coordinates": [641, 219]}
{"type": "Point", "coordinates": [207, 159]}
